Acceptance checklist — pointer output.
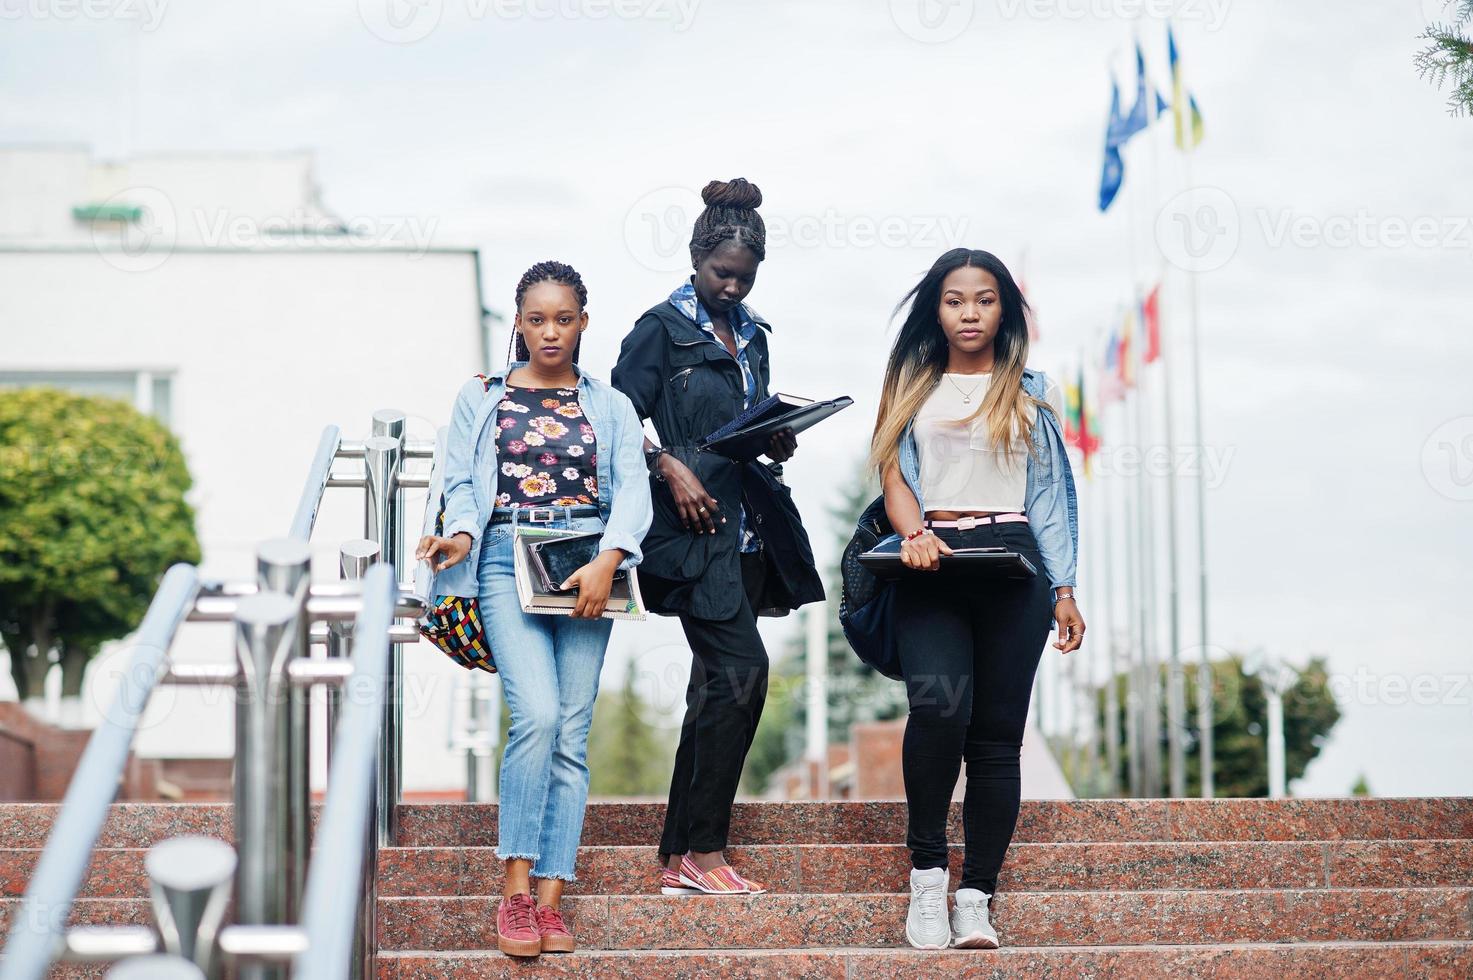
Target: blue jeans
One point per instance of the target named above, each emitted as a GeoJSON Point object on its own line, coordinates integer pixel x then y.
{"type": "Point", "coordinates": [549, 668]}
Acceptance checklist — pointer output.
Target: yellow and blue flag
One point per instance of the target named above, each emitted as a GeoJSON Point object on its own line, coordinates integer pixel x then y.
{"type": "Point", "coordinates": [1184, 109]}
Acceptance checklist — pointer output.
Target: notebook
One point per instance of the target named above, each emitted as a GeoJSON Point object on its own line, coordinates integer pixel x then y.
{"type": "Point", "coordinates": [749, 434]}
{"type": "Point", "coordinates": [624, 602]}
{"type": "Point", "coordinates": [883, 560]}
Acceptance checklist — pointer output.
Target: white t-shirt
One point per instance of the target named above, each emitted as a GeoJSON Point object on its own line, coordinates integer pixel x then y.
{"type": "Point", "coordinates": [961, 469]}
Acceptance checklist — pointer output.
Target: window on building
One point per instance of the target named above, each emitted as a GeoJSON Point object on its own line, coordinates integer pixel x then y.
{"type": "Point", "coordinates": [150, 392]}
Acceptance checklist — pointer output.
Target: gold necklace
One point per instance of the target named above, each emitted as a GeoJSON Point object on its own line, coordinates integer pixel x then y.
{"type": "Point", "coordinates": [966, 395]}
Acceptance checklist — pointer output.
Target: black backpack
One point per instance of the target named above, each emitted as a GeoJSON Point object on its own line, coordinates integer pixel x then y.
{"type": "Point", "coordinates": [867, 603]}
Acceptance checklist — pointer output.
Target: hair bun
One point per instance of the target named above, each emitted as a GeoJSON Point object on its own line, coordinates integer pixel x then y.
{"type": "Point", "coordinates": [737, 193]}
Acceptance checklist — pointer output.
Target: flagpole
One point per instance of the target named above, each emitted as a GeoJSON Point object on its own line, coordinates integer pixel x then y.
{"type": "Point", "coordinates": [1107, 596]}
{"type": "Point", "coordinates": [1185, 117]}
{"type": "Point", "coordinates": [1176, 720]}
{"type": "Point", "coordinates": [1135, 777]}
{"type": "Point", "coordinates": [1150, 665]}
{"type": "Point", "coordinates": [1204, 668]}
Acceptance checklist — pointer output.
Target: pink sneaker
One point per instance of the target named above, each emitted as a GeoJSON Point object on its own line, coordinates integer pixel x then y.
{"type": "Point", "coordinates": [516, 927]}
{"type": "Point", "coordinates": [555, 935]}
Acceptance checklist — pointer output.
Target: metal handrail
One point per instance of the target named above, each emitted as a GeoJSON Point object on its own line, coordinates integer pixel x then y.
{"type": "Point", "coordinates": [345, 830]}
{"type": "Point", "coordinates": [317, 481]}
{"type": "Point", "coordinates": [36, 937]}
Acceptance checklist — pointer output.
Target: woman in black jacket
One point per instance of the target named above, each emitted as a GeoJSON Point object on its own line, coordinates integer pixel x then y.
{"type": "Point", "coordinates": [726, 544]}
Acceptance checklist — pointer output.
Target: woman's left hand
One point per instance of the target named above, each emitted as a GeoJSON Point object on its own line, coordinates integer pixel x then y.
{"type": "Point", "coordinates": [594, 582]}
{"type": "Point", "coordinates": [1071, 625]}
{"type": "Point", "coordinates": [781, 447]}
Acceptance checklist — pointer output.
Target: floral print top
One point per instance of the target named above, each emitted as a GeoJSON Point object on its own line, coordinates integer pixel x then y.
{"type": "Point", "coordinates": [546, 450]}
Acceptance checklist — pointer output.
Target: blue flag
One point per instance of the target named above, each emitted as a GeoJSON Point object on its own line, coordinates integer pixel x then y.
{"type": "Point", "coordinates": [1114, 169]}
{"type": "Point", "coordinates": [1140, 112]}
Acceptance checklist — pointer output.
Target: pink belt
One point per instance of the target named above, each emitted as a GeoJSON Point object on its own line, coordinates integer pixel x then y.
{"type": "Point", "coordinates": [967, 523]}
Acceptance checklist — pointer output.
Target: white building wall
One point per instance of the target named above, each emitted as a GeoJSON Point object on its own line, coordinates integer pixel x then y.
{"type": "Point", "coordinates": [264, 349]}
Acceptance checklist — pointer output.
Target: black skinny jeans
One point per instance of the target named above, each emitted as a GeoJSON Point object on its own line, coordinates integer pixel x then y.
{"type": "Point", "coordinates": [969, 650]}
{"type": "Point", "coordinates": [723, 703]}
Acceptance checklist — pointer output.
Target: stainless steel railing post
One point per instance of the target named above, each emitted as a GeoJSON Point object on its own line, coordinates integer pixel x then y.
{"type": "Point", "coordinates": [390, 422]}
{"type": "Point", "coordinates": [285, 565]}
{"type": "Point", "coordinates": [381, 459]}
{"type": "Point", "coordinates": [354, 557]}
{"type": "Point", "coordinates": [347, 849]}
{"type": "Point", "coordinates": [156, 966]}
{"type": "Point", "coordinates": [189, 883]}
{"type": "Point", "coordinates": [266, 625]}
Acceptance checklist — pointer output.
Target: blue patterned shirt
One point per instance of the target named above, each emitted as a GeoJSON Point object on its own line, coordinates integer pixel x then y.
{"type": "Point", "coordinates": [685, 300]}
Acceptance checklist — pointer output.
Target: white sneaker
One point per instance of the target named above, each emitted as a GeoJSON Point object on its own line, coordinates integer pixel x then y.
{"type": "Point", "coordinates": [969, 923]}
{"type": "Point", "coordinates": [925, 925]}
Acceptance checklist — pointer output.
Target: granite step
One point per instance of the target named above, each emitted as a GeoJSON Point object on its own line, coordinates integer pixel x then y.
{"type": "Point", "coordinates": [25, 825]}
{"type": "Point", "coordinates": [1248, 961]}
{"type": "Point", "coordinates": [1040, 821]}
{"type": "Point", "coordinates": [840, 868]}
{"type": "Point", "coordinates": [777, 921]}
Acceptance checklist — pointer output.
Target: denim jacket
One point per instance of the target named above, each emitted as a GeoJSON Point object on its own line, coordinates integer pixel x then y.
{"type": "Point", "coordinates": [1049, 500]}
{"type": "Point", "coordinates": [470, 472]}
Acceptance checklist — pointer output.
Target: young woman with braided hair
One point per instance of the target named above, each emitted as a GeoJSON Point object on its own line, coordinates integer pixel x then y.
{"type": "Point", "coordinates": [541, 442]}
{"type": "Point", "coordinates": [726, 544]}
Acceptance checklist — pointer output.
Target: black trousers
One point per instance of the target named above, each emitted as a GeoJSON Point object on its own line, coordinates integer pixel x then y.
{"type": "Point", "coordinates": [723, 703]}
{"type": "Point", "coordinates": [969, 649]}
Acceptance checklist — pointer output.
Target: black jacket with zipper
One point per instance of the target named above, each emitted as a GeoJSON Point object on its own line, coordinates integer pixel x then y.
{"type": "Point", "coordinates": [688, 385]}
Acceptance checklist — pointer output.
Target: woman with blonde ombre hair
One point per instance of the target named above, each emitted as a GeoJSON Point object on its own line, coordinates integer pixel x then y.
{"type": "Point", "coordinates": [970, 452]}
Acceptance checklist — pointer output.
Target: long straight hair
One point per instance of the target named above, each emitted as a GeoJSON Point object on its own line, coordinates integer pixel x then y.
{"type": "Point", "coordinates": [920, 353]}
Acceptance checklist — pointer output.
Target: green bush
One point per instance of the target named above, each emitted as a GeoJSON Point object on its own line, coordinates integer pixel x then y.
{"type": "Point", "coordinates": [92, 512]}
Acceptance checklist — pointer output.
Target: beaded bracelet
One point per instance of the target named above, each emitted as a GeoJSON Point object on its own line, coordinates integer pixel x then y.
{"type": "Point", "coordinates": [915, 534]}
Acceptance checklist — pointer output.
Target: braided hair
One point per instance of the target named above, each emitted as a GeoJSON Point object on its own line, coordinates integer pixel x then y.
{"type": "Point", "coordinates": [548, 271]}
{"type": "Point", "coordinates": [730, 216]}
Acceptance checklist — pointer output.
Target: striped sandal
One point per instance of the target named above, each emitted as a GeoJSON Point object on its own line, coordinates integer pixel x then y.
{"type": "Point", "coordinates": [719, 881]}
{"type": "Point", "coordinates": [670, 883]}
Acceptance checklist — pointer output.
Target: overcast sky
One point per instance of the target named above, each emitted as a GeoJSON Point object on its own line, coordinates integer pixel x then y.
{"type": "Point", "coordinates": [1334, 306]}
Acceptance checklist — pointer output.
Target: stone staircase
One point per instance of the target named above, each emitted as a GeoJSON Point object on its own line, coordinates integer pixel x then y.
{"type": "Point", "coordinates": [1289, 888]}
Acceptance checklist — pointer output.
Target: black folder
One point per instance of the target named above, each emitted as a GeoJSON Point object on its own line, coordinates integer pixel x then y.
{"type": "Point", "coordinates": [883, 561]}
{"type": "Point", "coordinates": [750, 434]}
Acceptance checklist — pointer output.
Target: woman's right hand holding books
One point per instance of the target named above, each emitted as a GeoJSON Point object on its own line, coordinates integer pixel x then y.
{"type": "Point", "coordinates": [923, 551]}
{"type": "Point", "coordinates": [698, 510]}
